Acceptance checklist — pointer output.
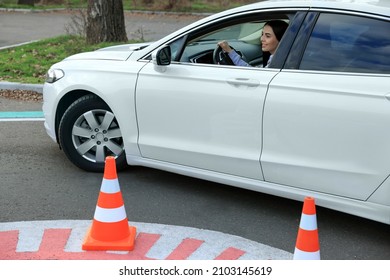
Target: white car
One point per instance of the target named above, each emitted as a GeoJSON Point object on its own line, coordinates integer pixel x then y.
{"type": "Point", "coordinates": [315, 123]}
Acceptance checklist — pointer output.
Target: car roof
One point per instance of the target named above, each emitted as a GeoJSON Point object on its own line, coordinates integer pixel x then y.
{"type": "Point", "coordinates": [374, 7]}
{"type": "Point", "coordinates": [380, 7]}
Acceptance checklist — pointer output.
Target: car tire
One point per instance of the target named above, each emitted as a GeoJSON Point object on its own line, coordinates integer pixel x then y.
{"type": "Point", "coordinates": [89, 132]}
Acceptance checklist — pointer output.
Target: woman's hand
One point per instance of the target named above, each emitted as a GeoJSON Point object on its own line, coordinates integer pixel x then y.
{"type": "Point", "coordinates": [225, 46]}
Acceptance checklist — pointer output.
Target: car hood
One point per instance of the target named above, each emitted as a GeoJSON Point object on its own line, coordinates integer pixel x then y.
{"type": "Point", "coordinates": [119, 53]}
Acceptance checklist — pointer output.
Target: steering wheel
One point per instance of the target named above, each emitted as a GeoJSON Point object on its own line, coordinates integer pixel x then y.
{"type": "Point", "coordinates": [221, 57]}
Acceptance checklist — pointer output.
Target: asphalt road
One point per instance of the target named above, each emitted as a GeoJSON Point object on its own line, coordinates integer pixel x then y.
{"type": "Point", "coordinates": [37, 182]}
{"type": "Point", "coordinates": [18, 27]}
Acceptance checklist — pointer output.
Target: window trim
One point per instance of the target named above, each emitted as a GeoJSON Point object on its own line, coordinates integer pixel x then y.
{"type": "Point", "coordinates": [219, 23]}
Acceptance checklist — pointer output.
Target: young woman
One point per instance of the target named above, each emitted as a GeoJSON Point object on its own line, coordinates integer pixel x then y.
{"type": "Point", "coordinates": [272, 34]}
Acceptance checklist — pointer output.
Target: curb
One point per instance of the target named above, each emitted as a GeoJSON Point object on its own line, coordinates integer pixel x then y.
{"type": "Point", "coordinates": [19, 86]}
{"type": "Point", "coordinates": [17, 45]}
{"type": "Point", "coordinates": [62, 240]}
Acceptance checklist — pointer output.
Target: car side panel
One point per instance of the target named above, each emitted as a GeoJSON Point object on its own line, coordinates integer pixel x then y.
{"type": "Point", "coordinates": [113, 81]}
{"type": "Point", "coordinates": [327, 133]}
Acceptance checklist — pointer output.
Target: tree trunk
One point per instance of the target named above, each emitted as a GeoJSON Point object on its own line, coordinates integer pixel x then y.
{"type": "Point", "coordinates": [105, 21]}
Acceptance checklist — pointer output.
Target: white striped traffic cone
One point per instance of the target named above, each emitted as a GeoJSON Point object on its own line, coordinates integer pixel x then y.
{"type": "Point", "coordinates": [110, 229]}
{"type": "Point", "coordinates": [307, 246]}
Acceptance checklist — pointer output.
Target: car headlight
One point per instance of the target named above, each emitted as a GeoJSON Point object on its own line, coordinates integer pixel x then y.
{"type": "Point", "coordinates": [53, 75]}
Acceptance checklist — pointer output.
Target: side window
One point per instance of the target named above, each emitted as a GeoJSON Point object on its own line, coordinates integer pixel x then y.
{"type": "Point", "coordinates": [176, 46]}
{"type": "Point", "coordinates": [244, 37]}
{"type": "Point", "coordinates": [348, 43]}
{"type": "Point", "coordinates": [242, 32]}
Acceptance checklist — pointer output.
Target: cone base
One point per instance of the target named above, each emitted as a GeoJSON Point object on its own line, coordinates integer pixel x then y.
{"type": "Point", "coordinates": [302, 255]}
{"type": "Point", "coordinates": [127, 244]}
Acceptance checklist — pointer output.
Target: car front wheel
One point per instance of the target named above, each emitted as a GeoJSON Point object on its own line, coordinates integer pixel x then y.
{"type": "Point", "coordinates": [89, 132]}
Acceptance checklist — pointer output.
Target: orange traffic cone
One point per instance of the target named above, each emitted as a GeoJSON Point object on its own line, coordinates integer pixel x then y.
{"type": "Point", "coordinates": [307, 246]}
{"type": "Point", "coordinates": [110, 229]}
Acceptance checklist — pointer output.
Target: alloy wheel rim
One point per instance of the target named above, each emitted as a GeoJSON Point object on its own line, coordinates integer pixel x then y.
{"type": "Point", "coordinates": [96, 135]}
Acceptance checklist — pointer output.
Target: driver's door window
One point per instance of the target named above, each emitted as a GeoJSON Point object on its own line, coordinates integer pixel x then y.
{"type": "Point", "coordinates": [244, 37]}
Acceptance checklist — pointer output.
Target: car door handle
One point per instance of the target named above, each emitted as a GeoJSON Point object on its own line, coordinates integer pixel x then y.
{"type": "Point", "coordinates": [243, 82]}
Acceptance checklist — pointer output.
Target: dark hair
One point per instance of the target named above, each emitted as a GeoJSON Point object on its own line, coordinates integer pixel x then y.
{"type": "Point", "coordinates": [278, 26]}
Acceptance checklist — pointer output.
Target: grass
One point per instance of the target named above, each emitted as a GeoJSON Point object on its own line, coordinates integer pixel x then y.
{"type": "Point", "coordinates": [29, 63]}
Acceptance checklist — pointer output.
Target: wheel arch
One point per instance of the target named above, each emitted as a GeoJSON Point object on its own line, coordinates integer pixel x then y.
{"type": "Point", "coordinates": [65, 102]}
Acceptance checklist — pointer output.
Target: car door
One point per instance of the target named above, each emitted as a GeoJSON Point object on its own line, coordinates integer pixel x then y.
{"type": "Point", "coordinates": [327, 115]}
{"type": "Point", "coordinates": [203, 115]}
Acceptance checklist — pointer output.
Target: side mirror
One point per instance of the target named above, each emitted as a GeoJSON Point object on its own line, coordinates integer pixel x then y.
{"type": "Point", "coordinates": [163, 56]}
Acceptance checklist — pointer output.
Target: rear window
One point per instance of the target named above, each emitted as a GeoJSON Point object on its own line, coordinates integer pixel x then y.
{"type": "Point", "coordinates": [348, 43]}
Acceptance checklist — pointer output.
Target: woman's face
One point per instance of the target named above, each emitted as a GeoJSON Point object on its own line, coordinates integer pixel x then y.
{"type": "Point", "coordinates": [269, 42]}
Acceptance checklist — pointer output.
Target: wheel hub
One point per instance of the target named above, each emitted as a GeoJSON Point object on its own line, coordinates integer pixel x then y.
{"type": "Point", "coordinates": [99, 137]}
